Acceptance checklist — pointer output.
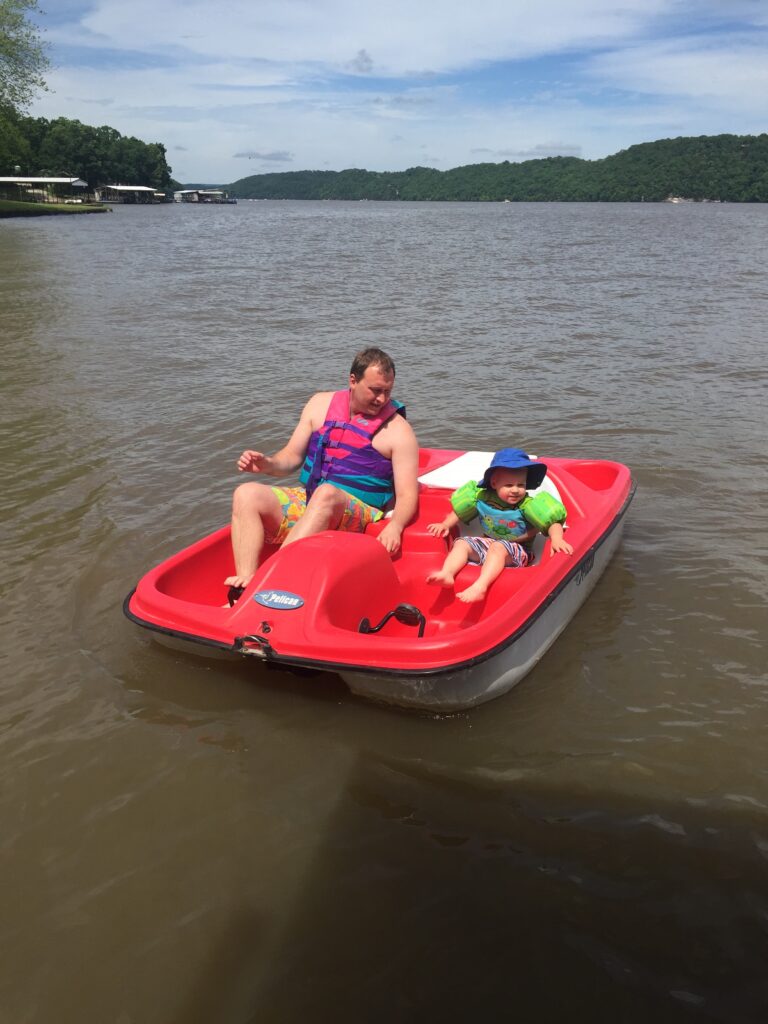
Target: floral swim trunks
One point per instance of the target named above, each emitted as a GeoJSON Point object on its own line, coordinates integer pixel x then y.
{"type": "Point", "coordinates": [293, 500]}
{"type": "Point", "coordinates": [517, 556]}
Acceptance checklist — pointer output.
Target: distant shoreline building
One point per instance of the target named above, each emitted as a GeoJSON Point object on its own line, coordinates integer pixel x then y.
{"type": "Point", "coordinates": [129, 194]}
{"type": "Point", "coordinates": [202, 195]}
{"type": "Point", "coordinates": [42, 190]}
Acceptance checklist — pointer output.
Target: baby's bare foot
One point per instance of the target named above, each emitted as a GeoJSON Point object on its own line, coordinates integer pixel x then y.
{"type": "Point", "coordinates": [472, 594]}
{"type": "Point", "coordinates": [445, 579]}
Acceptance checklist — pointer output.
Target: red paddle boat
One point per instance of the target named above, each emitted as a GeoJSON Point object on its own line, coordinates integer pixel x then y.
{"type": "Point", "coordinates": [339, 602]}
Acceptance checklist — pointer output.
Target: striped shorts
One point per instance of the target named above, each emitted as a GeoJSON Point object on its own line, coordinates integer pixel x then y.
{"type": "Point", "coordinates": [293, 501]}
{"type": "Point", "coordinates": [517, 556]}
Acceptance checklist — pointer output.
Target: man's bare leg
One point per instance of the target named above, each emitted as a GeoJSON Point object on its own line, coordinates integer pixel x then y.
{"type": "Point", "coordinates": [255, 511]}
{"type": "Point", "coordinates": [324, 511]}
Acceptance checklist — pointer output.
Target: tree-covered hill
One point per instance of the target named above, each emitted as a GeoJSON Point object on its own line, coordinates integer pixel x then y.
{"type": "Point", "coordinates": [731, 168]}
{"type": "Point", "coordinates": [100, 156]}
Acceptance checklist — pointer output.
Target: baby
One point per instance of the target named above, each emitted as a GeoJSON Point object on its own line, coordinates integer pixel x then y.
{"type": "Point", "coordinates": [510, 520]}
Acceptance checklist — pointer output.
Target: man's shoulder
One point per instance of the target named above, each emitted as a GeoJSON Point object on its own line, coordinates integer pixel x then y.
{"type": "Point", "coordinates": [317, 407]}
{"type": "Point", "coordinates": [396, 419]}
{"type": "Point", "coordinates": [396, 438]}
{"type": "Point", "coordinates": [399, 429]}
{"type": "Point", "coordinates": [322, 396]}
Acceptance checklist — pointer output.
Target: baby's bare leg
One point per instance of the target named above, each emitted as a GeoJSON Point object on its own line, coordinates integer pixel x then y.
{"type": "Point", "coordinates": [493, 565]}
{"type": "Point", "coordinates": [455, 560]}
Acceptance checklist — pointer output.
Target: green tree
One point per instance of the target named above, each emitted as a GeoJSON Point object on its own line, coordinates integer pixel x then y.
{"type": "Point", "coordinates": [14, 147]}
{"type": "Point", "coordinates": [23, 59]}
{"type": "Point", "coordinates": [101, 156]}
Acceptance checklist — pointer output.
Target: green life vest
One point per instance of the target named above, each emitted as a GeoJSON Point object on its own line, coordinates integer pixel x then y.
{"type": "Point", "coordinates": [541, 510]}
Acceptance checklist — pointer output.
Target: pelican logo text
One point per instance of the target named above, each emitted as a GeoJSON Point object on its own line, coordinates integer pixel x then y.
{"type": "Point", "coordinates": [281, 600]}
{"type": "Point", "coordinates": [585, 568]}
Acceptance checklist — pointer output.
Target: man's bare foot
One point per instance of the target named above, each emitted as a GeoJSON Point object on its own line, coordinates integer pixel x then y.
{"type": "Point", "coordinates": [237, 581]}
{"type": "Point", "coordinates": [445, 579]}
{"type": "Point", "coordinates": [474, 593]}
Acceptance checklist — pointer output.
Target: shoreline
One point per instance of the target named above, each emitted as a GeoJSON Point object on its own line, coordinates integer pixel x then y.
{"type": "Point", "coordinates": [14, 208]}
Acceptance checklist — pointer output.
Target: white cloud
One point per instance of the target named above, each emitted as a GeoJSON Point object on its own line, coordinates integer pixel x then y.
{"type": "Point", "coordinates": [733, 73]}
{"type": "Point", "coordinates": [276, 156]}
{"type": "Point", "coordinates": [396, 37]}
{"type": "Point", "coordinates": [326, 81]}
{"type": "Point", "coordinates": [362, 64]}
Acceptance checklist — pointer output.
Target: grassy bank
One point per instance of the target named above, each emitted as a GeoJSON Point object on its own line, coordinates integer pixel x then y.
{"type": "Point", "coordinates": [10, 208]}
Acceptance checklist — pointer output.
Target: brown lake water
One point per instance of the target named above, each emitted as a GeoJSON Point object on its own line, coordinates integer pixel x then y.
{"type": "Point", "coordinates": [193, 841]}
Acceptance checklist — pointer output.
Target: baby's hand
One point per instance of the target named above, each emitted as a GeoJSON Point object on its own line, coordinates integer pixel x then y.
{"type": "Point", "coordinates": [438, 529]}
{"type": "Point", "coordinates": [560, 545]}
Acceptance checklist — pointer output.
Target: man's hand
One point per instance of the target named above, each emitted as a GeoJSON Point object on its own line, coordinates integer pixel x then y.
{"type": "Point", "coordinates": [253, 462]}
{"type": "Point", "coordinates": [390, 537]}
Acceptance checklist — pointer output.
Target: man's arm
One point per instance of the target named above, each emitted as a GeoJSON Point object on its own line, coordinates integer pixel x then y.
{"type": "Point", "coordinates": [405, 467]}
{"type": "Point", "coordinates": [291, 456]}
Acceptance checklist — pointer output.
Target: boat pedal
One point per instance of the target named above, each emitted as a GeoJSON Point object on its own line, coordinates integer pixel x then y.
{"type": "Point", "coordinates": [407, 614]}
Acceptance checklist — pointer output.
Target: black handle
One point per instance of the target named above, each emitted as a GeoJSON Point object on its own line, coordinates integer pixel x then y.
{"type": "Point", "coordinates": [407, 614]}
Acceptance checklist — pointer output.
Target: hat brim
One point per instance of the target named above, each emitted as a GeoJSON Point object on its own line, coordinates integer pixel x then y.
{"type": "Point", "coordinates": [535, 473]}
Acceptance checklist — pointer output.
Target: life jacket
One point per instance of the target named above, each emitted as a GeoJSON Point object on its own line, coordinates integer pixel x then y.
{"type": "Point", "coordinates": [341, 453]}
{"type": "Point", "coordinates": [540, 510]}
{"type": "Point", "coordinates": [501, 523]}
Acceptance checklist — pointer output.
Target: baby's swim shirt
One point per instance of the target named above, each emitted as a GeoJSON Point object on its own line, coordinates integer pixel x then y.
{"type": "Point", "coordinates": [502, 521]}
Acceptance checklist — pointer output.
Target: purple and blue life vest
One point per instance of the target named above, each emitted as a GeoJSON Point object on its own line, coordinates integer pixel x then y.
{"type": "Point", "coordinates": [341, 453]}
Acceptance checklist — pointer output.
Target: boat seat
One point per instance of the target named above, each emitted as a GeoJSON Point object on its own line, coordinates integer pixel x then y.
{"type": "Point", "coordinates": [470, 466]}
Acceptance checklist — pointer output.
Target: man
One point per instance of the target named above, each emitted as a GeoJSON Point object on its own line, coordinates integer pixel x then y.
{"type": "Point", "coordinates": [359, 457]}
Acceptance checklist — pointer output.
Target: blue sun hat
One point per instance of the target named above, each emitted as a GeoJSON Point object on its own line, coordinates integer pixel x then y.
{"type": "Point", "coordinates": [515, 458]}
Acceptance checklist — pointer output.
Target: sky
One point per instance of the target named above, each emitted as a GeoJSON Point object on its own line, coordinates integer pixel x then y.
{"type": "Point", "coordinates": [244, 87]}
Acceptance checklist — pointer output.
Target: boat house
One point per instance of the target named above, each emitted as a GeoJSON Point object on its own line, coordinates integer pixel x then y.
{"type": "Point", "coordinates": [202, 195]}
{"type": "Point", "coordinates": [128, 194]}
{"type": "Point", "coordinates": [43, 190]}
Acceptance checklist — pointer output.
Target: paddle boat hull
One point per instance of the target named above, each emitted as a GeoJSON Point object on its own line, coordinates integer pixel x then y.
{"type": "Point", "coordinates": [338, 602]}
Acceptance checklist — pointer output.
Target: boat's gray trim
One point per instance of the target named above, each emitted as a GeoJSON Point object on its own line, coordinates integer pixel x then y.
{"type": "Point", "coordinates": [275, 659]}
{"type": "Point", "coordinates": [177, 634]}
